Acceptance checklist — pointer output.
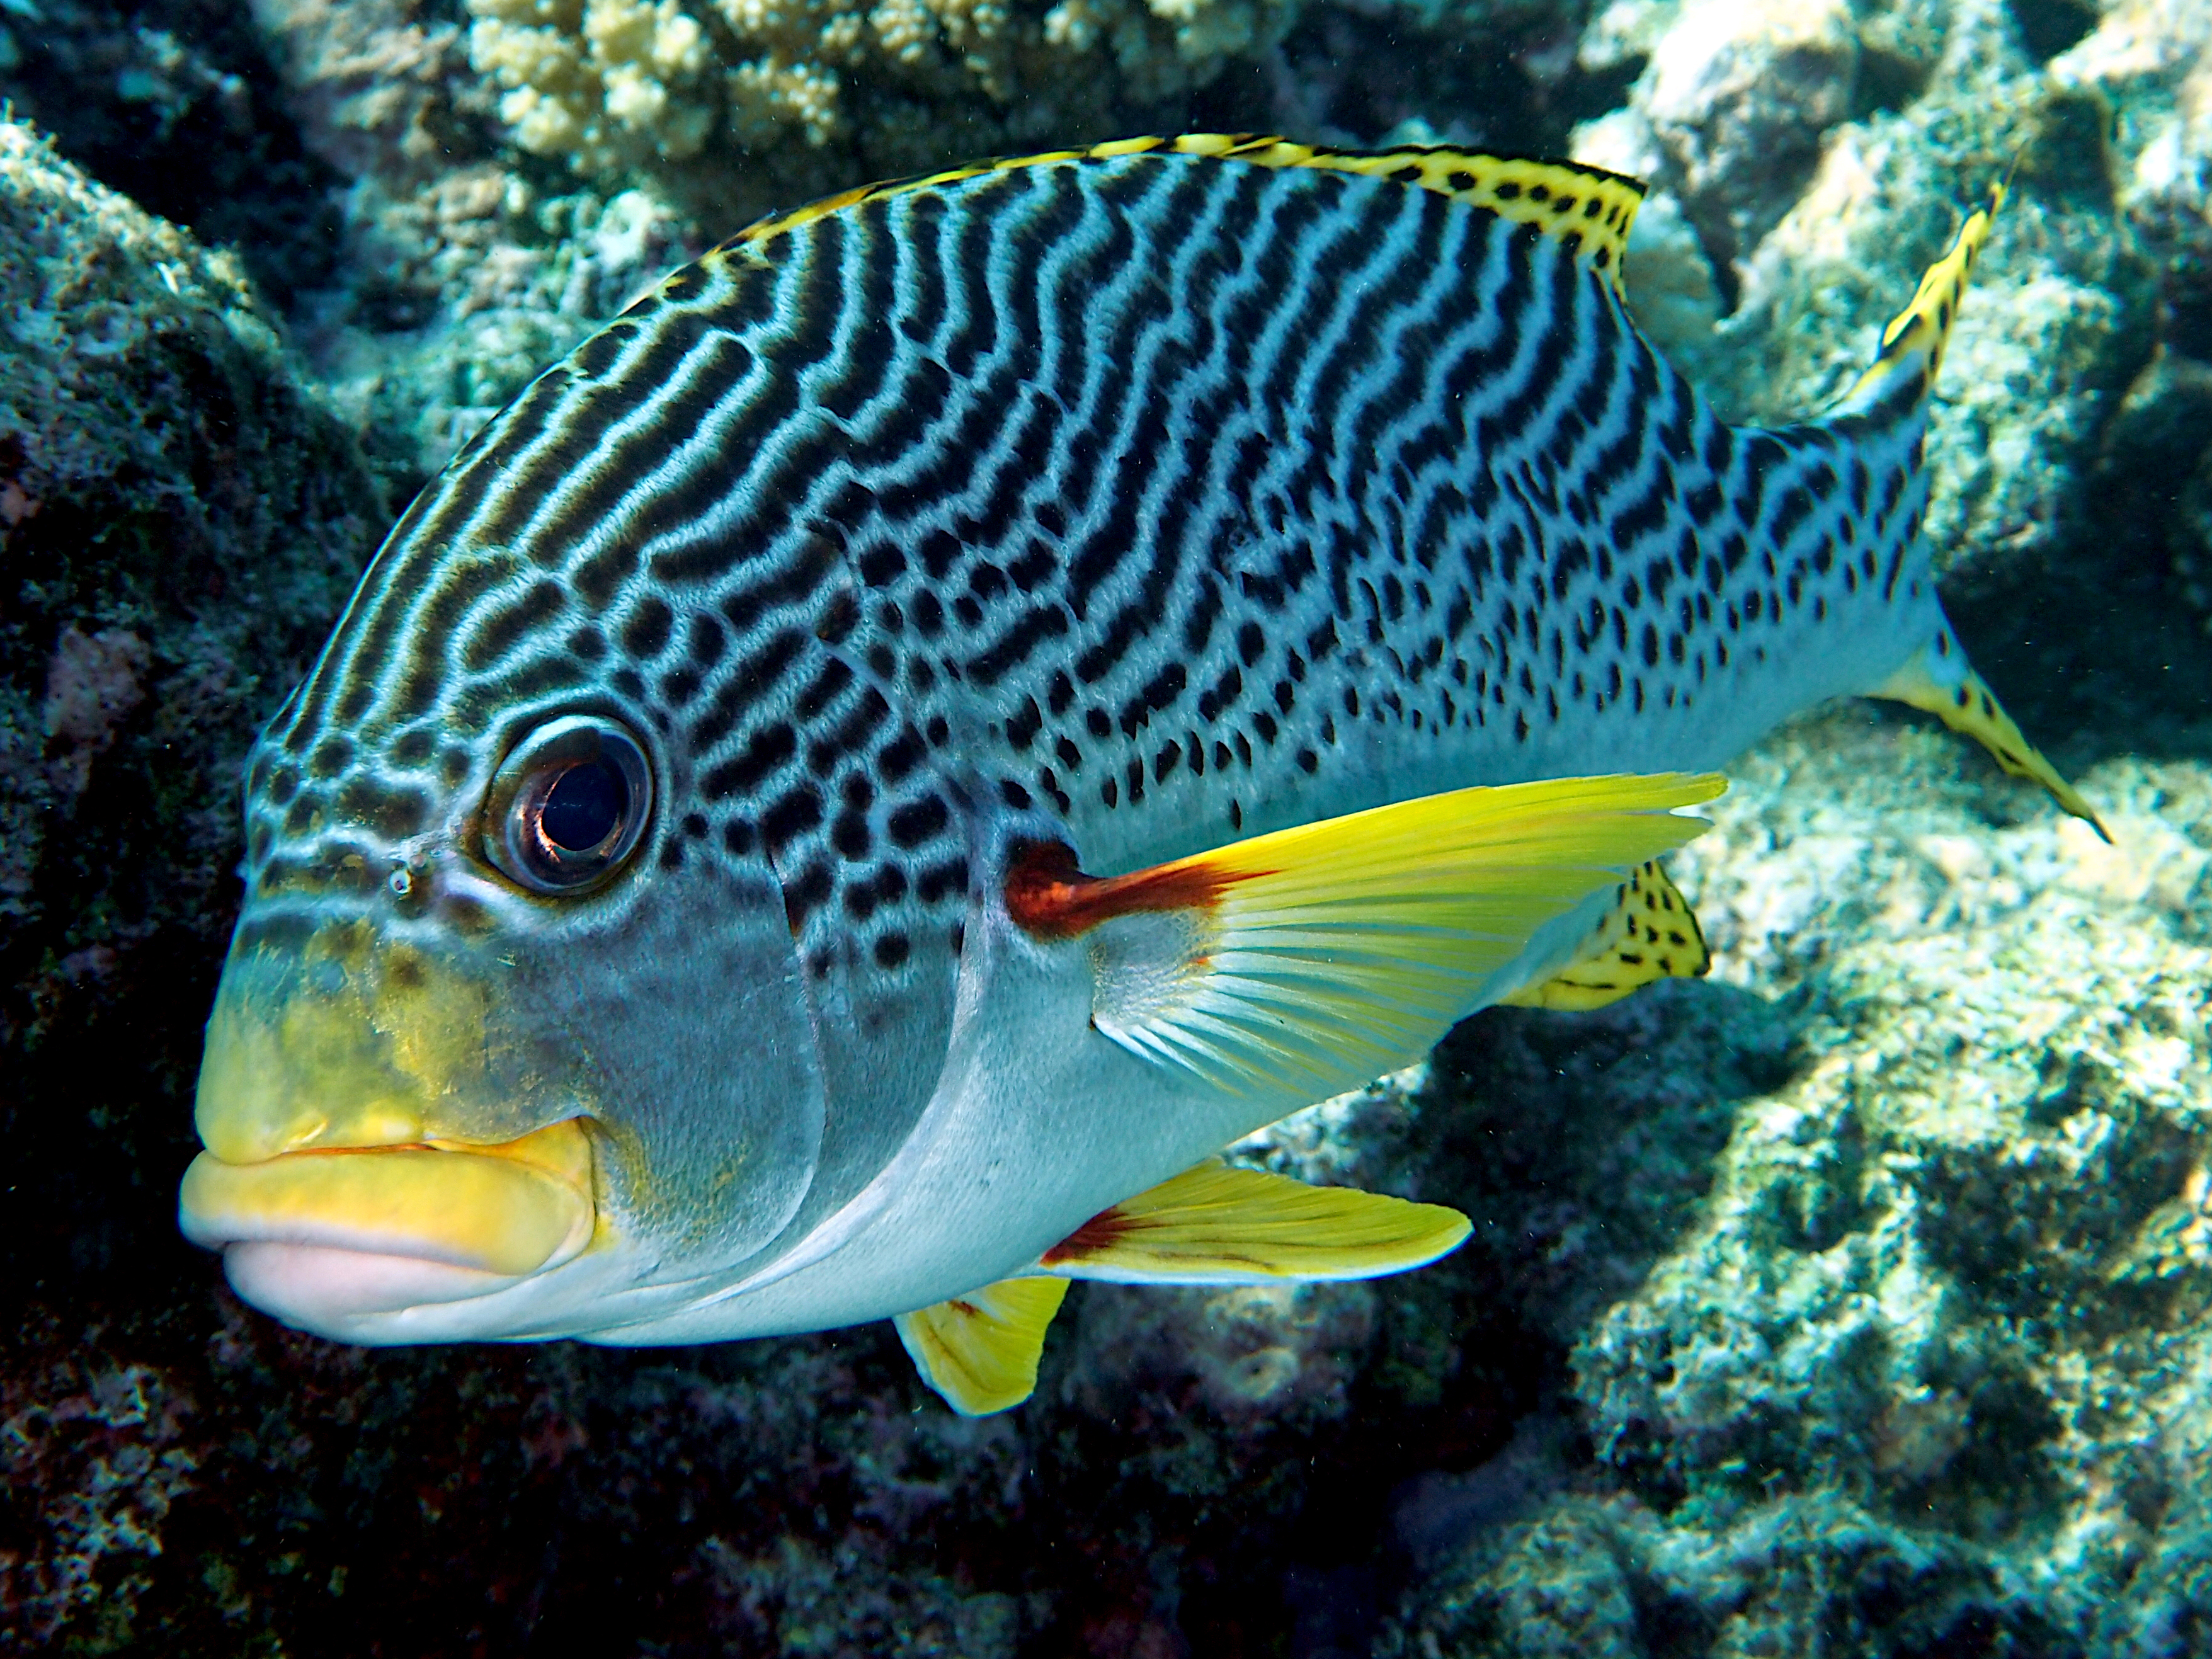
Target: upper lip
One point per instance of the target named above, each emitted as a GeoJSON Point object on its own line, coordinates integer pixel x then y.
{"type": "Point", "coordinates": [511, 1208]}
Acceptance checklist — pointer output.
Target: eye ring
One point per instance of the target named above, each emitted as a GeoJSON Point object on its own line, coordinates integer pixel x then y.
{"type": "Point", "coordinates": [568, 805]}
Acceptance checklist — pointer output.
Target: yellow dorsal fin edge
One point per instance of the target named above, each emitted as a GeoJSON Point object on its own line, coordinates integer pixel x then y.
{"type": "Point", "coordinates": [1587, 208]}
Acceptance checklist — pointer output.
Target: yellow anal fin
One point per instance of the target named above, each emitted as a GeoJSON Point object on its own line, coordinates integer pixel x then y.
{"type": "Point", "coordinates": [1968, 705]}
{"type": "Point", "coordinates": [1587, 208]}
{"type": "Point", "coordinates": [1313, 959]}
{"type": "Point", "coordinates": [1222, 1224]}
{"type": "Point", "coordinates": [1913, 342]}
{"type": "Point", "coordinates": [1650, 933]}
{"type": "Point", "coordinates": [980, 1351]}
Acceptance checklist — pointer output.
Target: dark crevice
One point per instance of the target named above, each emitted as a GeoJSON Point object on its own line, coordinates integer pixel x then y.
{"type": "Point", "coordinates": [1346, 78]}
{"type": "Point", "coordinates": [175, 104]}
{"type": "Point", "coordinates": [2047, 28]}
{"type": "Point", "coordinates": [1886, 83]}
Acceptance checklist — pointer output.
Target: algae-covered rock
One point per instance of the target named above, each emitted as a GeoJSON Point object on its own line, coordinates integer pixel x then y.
{"type": "Point", "coordinates": [178, 521]}
{"type": "Point", "coordinates": [1928, 1367]}
{"type": "Point", "coordinates": [172, 102]}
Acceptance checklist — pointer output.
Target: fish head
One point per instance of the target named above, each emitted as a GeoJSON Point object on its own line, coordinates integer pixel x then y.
{"type": "Point", "coordinates": [491, 1056]}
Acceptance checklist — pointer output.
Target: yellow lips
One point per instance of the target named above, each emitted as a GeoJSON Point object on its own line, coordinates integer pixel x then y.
{"type": "Point", "coordinates": [510, 1209]}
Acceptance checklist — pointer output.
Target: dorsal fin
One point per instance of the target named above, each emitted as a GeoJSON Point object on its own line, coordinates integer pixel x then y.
{"type": "Point", "coordinates": [1912, 343]}
{"type": "Point", "coordinates": [1587, 208]}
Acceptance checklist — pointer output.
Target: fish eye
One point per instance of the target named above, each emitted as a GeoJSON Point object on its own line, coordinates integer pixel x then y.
{"type": "Point", "coordinates": [569, 805]}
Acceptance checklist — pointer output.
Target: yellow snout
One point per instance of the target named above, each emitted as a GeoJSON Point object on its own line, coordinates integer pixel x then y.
{"type": "Point", "coordinates": [364, 1099]}
{"type": "Point", "coordinates": [347, 1039]}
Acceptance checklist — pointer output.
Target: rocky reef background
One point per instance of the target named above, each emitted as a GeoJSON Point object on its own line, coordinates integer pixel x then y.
{"type": "Point", "coordinates": [1856, 1300]}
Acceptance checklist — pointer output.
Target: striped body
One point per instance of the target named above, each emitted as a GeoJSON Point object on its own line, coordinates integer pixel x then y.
{"type": "Point", "coordinates": [1165, 499]}
{"type": "Point", "coordinates": [1138, 501]}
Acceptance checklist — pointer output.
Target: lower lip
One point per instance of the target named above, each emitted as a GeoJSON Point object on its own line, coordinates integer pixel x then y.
{"type": "Point", "coordinates": [318, 1288]}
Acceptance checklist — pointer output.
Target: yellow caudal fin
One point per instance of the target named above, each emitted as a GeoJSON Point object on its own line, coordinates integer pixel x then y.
{"type": "Point", "coordinates": [1314, 959]}
{"type": "Point", "coordinates": [1965, 704]}
{"type": "Point", "coordinates": [980, 1351]}
{"type": "Point", "coordinates": [1912, 344]}
{"type": "Point", "coordinates": [1221, 1224]}
{"type": "Point", "coordinates": [1650, 933]}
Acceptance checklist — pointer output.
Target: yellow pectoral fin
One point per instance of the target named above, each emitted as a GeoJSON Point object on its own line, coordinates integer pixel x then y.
{"type": "Point", "coordinates": [1308, 961]}
{"type": "Point", "coordinates": [1968, 705]}
{"type": "Point", "coordinates": [1650, 933]}
{"type": "Point", "coordinates": [980, 1351]}
{"type": "Point", "coordinates": [1222, 1224]}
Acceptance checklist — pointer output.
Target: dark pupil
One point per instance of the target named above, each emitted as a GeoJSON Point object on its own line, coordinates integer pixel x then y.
{"type": "Point", "coordinates": [583, 806]}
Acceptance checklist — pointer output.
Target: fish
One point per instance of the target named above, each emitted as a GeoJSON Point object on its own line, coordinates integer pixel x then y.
{"type": "Point", "coordinates": [848, 794]}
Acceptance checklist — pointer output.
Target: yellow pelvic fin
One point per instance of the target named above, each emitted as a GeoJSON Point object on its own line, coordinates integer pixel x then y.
{"type": "Point", "coordinates": [1315, 958]}
{"type": "Point", "coordinates": [1587, 208]}
{"type": "Point", "coordinates": [1913, 342]}
{"type": "Point", "coordinates": [1968, 705]}
{"type": "Point", "coordinates": [980, 1351]}
{"type": "Point", "coordinates": [1650, 933]}
{"type": "Point", "coordinates": [1222, 1224]}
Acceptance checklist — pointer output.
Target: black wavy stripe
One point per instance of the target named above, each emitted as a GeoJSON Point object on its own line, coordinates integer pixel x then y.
{"type": "Point", "coordinates": [1364, 387]}
{"type": "Point", "coordinates": [1164, 470]}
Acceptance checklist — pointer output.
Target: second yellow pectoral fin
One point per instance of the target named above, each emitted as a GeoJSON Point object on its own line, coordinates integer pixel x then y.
{"type": "Point", "coordinates": [1967, 706]}
{"type": "Point", "coordinates": [1313, 959]}
{"type": "Point", "coordinates": [1650, 933]}
{"type": "Point", "coordinates": [1219, 1224]}
{"type": "Point", "coordinates": [980, 1351]}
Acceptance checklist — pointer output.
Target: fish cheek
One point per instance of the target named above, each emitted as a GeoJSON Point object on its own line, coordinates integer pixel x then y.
{"type": "Point", "coordinates": [687, 1022]}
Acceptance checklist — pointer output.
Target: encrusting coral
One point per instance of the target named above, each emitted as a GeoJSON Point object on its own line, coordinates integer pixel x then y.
{"type": "Point", "coordinates": [605, 84]}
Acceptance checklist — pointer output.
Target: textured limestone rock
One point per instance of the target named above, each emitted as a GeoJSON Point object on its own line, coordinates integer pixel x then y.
{"type": "Point", "coordinates": [178, 519]}
{"type": "Point", "coordinates": [1818, 158]}
{"type": "Point", "coordinates": [1930, 1358]}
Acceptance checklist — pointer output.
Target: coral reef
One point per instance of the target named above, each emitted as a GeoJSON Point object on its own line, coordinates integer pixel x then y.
{"type": "Point", "coordinates": [603, 85]}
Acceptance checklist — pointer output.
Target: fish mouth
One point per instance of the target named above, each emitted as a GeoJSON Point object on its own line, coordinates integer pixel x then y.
{"type": "Point", "coordinates": [377, 1136]}
{"type": "Point", "coordinates": [510, 1210]}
